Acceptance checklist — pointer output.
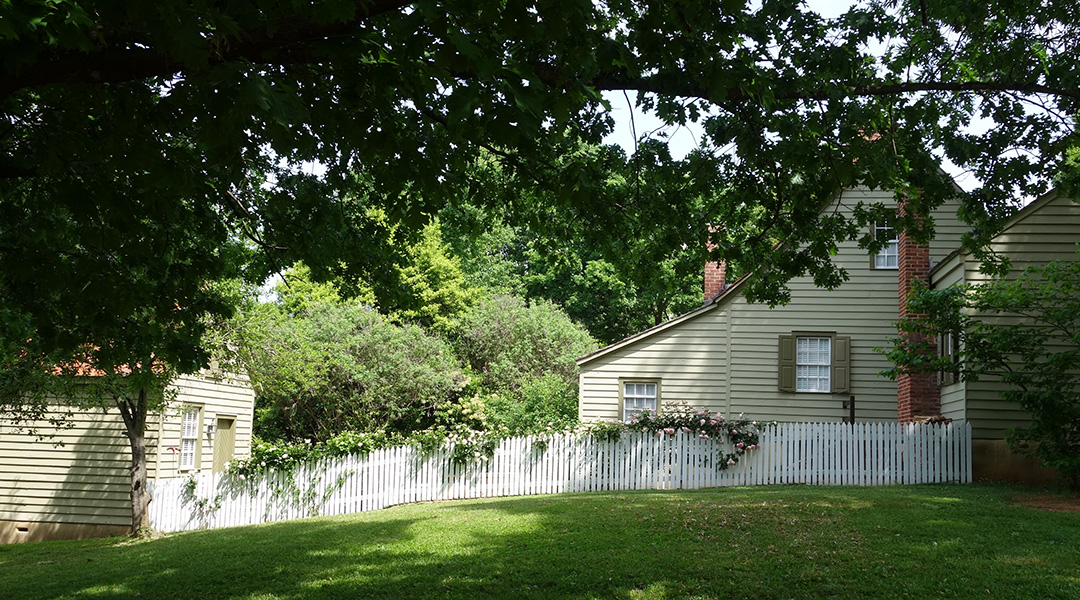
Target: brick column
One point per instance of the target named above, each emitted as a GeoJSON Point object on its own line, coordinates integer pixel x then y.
{"type": "Point", "coordinates": [917, 394]}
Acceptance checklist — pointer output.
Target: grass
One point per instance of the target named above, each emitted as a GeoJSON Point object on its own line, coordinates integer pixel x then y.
{"type": "Point", "coordinates": [771, 542]}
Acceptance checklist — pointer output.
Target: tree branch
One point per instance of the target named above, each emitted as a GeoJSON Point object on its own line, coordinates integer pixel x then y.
{"type": "Point", "coordinates": [680, 86]}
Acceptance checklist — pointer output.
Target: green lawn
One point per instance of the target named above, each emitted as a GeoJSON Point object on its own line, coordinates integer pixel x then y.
{"type": "Point", "coordinates": [771, 542]}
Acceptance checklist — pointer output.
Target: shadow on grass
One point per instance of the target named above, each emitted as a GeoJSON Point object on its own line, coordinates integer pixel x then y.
{"type": "Point", "coordinates": [779, 542]}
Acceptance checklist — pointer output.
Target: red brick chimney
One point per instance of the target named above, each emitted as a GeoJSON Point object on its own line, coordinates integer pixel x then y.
{"type": "Point", "coordinates": [714, 271]}
{"type": "Point", "coordinates": [918, 394]}
{"type": "Point", "coordinates": [714, 279]}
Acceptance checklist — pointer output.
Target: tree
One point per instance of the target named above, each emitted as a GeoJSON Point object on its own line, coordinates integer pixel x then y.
{"type": "Point", "coordinates": [436, 294]}
{"type": "Point", "coordinates": [1024, 332]}
{"type": "Point", "coordinates": [148, 150]}
{"type": "Point", "coordinates": [615, 272]}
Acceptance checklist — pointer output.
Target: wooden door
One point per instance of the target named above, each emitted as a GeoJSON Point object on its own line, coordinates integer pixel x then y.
{"type": "Point", "coordinates": [224, 442]}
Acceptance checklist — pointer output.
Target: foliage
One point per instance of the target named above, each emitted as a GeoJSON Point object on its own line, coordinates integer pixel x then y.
{"type": "Point", "coordinates": [297, 293]}
{"type": "Point", "coordinates": [343, 367]}
{"type": "Point", "coordinates": [541, 405]}
{"type": "Point", "coordinates": [508, 342]}
{"type": "Point", "coordinates": [140, 147]}
{"type": "Point", "coordinates": [1024, 331]}
{"type": "Point", "coordinates": [491, 251]}
{"type": "Point", "coordinates": [615, 271]}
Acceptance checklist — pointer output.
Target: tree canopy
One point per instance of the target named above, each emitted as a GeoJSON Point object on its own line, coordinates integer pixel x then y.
{"type": "Point", "coordinates": [148, 149]}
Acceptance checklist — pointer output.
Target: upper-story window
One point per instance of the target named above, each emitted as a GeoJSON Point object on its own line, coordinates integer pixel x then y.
{"type": "Point", "coordinates": [889, 256]}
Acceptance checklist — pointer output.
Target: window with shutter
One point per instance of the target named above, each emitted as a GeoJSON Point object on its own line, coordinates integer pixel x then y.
{"type": "Point", "coordinates": [816, 363]}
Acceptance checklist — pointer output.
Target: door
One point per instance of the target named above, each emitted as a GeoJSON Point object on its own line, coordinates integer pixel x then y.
{"type": "Point", "coordinates": [224, 442]}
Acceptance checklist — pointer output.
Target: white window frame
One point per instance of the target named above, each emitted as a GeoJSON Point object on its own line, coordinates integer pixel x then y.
{"type": "Point", "coordinates": [190, 430]}
{"type": "Point", "coordinates": [638, 391]}
{"type": "Point", "coordinates": [889, 256]}
{"type": "Point", "coordinates": [813, 368]}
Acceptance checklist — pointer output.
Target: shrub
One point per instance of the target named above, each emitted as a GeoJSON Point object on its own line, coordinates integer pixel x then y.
{"type": "Point", "coordinates": [546, 403]}
{"type": "Point", "coordinates": [344, 367]}
{"type": "Point", "coordinates": [511, 344]}
{"type": "Point", "coordinates": [524, 357]}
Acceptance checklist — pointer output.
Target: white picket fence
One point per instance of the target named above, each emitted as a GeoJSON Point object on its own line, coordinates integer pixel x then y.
{"type": "Point", "coordinates": [789, 453]}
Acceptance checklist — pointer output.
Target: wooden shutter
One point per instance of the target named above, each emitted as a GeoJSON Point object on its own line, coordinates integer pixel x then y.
{"type": "Point", "coordinates": [787, 363]}
{"type": "Point", "coordinates": [841, 364]}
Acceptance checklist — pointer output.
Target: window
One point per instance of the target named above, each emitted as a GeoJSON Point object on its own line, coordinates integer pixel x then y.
{"type": "Point", "coordinates": [638, 395]}
{"type": "Point", "coordinates": [814, 363]}
{"type": "Point", "coordinates": [889, 256]}
{"type": "Point", "coordinates": [189, 437]}
{"type": "Point", "coordinates": [947, 348]}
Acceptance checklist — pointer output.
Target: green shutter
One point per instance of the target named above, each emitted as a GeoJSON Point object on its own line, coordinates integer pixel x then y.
{"type": "Point", "coordinates": [841, 363]}
{"type": "Point", "coordinates": [787, 363]}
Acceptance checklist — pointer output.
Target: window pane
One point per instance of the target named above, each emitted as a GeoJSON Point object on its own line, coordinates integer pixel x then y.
{"type": "Point", "coordinates": [187, 453]}
{"type": "Point", "coordinates": [813, 362]}
{"type": "Point", "coordinates": [636, 397]}
{"type": "Point", "coordinates": [888, 257]}
{"type": "Point", "coordinates": [191, 417]}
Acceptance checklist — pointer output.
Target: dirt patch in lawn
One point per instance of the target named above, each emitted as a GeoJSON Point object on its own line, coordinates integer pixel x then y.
{"type": "Point", "coordinates": [1052, 502]}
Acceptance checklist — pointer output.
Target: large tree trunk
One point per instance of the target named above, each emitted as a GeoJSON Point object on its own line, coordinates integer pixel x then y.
{"type": "Point", "coordinates": [134, 412]}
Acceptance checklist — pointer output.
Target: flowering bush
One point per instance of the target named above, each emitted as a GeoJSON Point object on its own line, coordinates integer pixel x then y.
{"type": "Point", "coordinates": [471, 440]}
{"type": "Point", "coordinates": [681, 417]}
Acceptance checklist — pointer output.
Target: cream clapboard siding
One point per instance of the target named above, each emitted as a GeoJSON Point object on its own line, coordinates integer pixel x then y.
{"type": "Point", "coordinates": [953, 395]}
{"type": "Point", "coordinates": [85, 480]}
{"type": "Point", "coordinates": [863, 308]}
{"type": "Point", "coordinates": [1045, 231]}
{"type": "Point", "coordinates": [732, 350]}
{"type": "Point", "coordinates": [687, 360]}
{"type": "Point", "coordinates": [229, 396]}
